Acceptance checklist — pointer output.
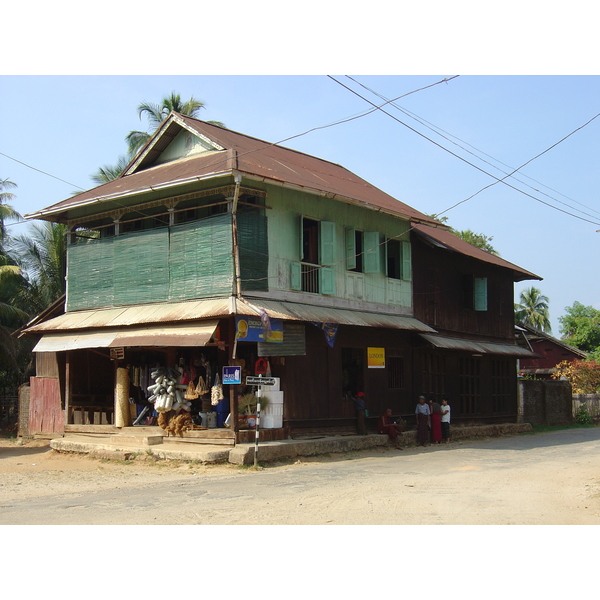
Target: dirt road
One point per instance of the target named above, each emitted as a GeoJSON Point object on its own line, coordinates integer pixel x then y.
{"type": "Point", "coordinates": [551, 478]}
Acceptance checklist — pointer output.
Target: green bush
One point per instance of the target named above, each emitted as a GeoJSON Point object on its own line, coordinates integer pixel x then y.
{"type": "Point", "coordinates": [583, 416]}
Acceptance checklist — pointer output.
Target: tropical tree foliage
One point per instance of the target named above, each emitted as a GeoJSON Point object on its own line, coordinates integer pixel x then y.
{"type": "Point", "coordinates": [580, 327]}
{"type": "Point", "coordinates": [533, 310]}
{"type": "Point", "coordinates": [583, 375]}
{"type": "Point", "coordinates": [109, 172]}
{"type": "Point", "coordinates": [156, 114]}
{"type": "Point", "coordinates": [479, 240]}
{"type": "Point", "coordinates": [42, 254]}
{"type": "Point", "coordinates": [32, 276]}
{"type": "Point", "coordinates": [7, 212]}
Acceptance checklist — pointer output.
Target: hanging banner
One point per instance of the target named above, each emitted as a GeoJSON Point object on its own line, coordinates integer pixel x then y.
{"type": "Point", "coordinates": [376, 358]}
{"type": "Point", "coordinates": [330, 330]}
{"type": "Point", "coordinates": [252, 329]}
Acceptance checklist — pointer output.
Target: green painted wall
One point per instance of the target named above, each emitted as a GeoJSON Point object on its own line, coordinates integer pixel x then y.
{"type": "Point", "coordinates": [195, 259]}
{"type": "Point", "coordinates": [284, 244]}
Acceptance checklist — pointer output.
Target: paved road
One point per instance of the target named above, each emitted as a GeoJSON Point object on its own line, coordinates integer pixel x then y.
{"type": "Point", "coordinates": [551, 478]}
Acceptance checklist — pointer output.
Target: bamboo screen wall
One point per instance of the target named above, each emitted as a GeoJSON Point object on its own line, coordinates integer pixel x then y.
{"type": "Point", "coordinates": [182, 262]}
{"type": "Point", "coordinates": [254, 260]}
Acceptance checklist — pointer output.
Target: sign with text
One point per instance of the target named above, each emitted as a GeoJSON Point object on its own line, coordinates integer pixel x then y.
{"type": "Point", "coordinates": [251, 329]}
{"type": "Point", "coordinates": [376, 358]}
{"type": "Point", "coordinates": [232, 375]}
{"type": "Point", "coordinates": [117, 353]}
{"type": "Point", "coordinates": [253, 380]}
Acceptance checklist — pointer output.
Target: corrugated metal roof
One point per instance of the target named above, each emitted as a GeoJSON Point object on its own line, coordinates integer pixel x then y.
{"type": "Point", "coordinates": [533, 335]}
{"type": "Point", "coordinates": [256, 158]}
{"type": "Point", "coordinates": [130, 316]}
{"type": "Point", "coordinates": [197, 334]}
{"type": "Point", "coordinates": [447, 240]}
{"type": "Point", "coordinates": [320, 314]}
{"type": "Point", "coordinates": [136, 315]}
{"type": "Point", "coordinates": [477, 347]}
{"type": "Point", "coordinates": [59, 342]}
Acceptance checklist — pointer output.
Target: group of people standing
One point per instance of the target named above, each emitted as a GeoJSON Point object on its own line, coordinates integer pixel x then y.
{"type": "Point", "coordinates": [433, 421]}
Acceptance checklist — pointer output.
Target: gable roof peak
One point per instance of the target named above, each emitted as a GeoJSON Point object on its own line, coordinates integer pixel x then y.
{"type": "Point", "coordinates": [166, 132]}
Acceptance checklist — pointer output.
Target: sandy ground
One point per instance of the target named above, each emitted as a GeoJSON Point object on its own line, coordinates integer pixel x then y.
{"type": "Point", "coordinates": [31, 469]}
{"type": "Point", "coordinates": [544, 479]}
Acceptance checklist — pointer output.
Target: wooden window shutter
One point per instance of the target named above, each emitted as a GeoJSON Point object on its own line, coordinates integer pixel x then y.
{"type": "Point", "coordinates": [327, 242]}
{"type": "Point", "coordinates": [350, 242]}
{"type": "Point", "coordinates": [327, 281]}
{"type": "Point", "coordinates": [372, 252]}
{"type": "Point", "coordinates": [296, 276]}
{"type": "Point", "coordinates": [301, 238]}
{"type": "Point", "coordinates": [406, 261]}
{"type": "Point", "coordinates": [480, 293]}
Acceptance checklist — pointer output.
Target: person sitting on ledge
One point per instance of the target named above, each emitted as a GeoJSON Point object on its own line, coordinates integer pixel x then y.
{"type": "Point", "coordinates": [388, 425]}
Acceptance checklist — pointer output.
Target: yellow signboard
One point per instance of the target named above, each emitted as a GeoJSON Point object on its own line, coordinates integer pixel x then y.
{"type": "Point", "coordinates": [376, 358]}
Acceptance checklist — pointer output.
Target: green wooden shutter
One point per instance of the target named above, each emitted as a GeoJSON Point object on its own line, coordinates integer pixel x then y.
{"type": "Point", "coordinates": [327, 242]}
{"type": "Point", "coordinates": [372, 252]}
{"type": "Point", "coordinates": [327, 281]}
{"type": "Point", "coordinates": [301, 238]}
{"type": "Point", "coordinates": [296, 276]}
{"type": "Point", "coordinates": [350, 245]}
{"type": "Point", "coordinates": [406, 261]}
{"type": "Point", "coordinates": [480, 293]}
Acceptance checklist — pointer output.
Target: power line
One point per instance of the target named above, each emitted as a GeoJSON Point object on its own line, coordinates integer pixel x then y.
{"type": "Point", "coordinates": [498, 180]}
{"type": "Point", "coordinates": [437, 130]}
{"type": "Point", "coordinates": [40, 171]}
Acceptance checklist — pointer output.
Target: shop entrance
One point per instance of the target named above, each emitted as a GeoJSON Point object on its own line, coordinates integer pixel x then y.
{"type": "Point", "coordinates": [352, 371]}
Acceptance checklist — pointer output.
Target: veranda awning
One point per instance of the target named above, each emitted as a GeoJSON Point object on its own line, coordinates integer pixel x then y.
{"type": "Point", "coordinates": [477, 347]}
{"type": "Point", "coordinates": [196, 334]}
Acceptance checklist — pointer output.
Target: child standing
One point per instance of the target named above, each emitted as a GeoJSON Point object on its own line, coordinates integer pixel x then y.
{"type": "Point", "coordinates": [445, 420]}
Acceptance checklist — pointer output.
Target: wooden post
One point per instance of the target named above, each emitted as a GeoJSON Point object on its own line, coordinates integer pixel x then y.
{"type": "Point", "coordinates": [67, 386]}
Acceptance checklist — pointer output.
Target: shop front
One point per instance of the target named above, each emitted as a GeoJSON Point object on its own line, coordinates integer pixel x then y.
{"type": "Point", "coordinates": [176, 377]}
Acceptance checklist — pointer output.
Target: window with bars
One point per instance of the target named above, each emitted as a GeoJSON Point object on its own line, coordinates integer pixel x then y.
{"type": "Point", "coordinates": [433, 374]}
{"type": "Point", "coordinates": [501, 370]}
{"type": "Point", "coordinates": [469, 385]}
{"type": "Point", "coordinates": [317, 250]}
{"type": "Point", "coordinates": [395, 367]}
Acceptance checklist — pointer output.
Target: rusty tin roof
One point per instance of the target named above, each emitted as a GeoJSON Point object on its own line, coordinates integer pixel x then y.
{"type": "Point", "coordinates": [233, 152]}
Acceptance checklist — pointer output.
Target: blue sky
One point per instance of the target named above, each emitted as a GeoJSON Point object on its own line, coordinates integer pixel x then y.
{"type": "Point", "coordinates": [68, 126]}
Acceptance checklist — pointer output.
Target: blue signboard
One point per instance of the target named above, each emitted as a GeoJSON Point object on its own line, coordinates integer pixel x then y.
{"type": "Point", "coordinates": [232, 374]}
{"type": "Point", "coordinates": [253, 329]}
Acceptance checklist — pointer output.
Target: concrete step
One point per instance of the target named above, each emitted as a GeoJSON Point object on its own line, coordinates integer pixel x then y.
{"type": "Point", "coordinates": [136, 440]}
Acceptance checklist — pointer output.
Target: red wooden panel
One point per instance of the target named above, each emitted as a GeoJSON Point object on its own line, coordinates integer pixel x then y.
{"type": "Point", "coordinates": [45, 413]}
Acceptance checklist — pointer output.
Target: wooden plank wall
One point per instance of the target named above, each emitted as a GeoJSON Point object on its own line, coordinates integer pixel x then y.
{"type": "Point", "coordinates": [45, 413]}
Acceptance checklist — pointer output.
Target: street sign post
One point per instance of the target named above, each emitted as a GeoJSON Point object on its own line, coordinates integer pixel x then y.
{"type": "Point", "coordinates": [258, 380]}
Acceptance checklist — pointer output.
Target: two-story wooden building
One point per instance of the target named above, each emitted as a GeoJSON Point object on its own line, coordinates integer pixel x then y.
{"type": "Point", "coordinates": [216, 249]}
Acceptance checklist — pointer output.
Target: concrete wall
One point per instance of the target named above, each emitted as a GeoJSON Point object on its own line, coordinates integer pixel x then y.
{"type": "Point", "coordinates": [542, 402]}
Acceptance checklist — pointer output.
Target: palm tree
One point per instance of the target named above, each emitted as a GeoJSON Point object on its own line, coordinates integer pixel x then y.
{"type": "Point", "coordinates": [109, 172]}
{"type": "Point", "coordinates": [533, 310]}
{"type": "Point", "coordinates": [157, 113]}
{"type": "Point", "coordinates": [42, 254]}
{"type": "Point", "coordinates": [11, 318]}
{"type": "Point", "coordinates": [6, 211]}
